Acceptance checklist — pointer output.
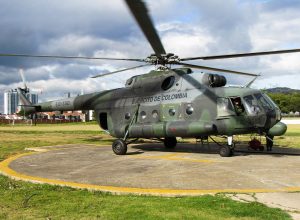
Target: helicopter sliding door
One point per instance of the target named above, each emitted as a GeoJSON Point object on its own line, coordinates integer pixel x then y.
{"type": "Point", "coordinates": [104, 120]}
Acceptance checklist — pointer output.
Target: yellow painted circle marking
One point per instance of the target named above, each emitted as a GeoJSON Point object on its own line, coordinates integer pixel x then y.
{"type": "Point", "coordinates": [7, 171]}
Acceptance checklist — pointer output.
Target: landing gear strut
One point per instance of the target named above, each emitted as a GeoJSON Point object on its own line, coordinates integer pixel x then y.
{"type": "Point", "coordinates": [119, 146]}
{"type": "Point", "coordinates": [227, 150]}
{"type": "Point", "coordinates": [269, 142]}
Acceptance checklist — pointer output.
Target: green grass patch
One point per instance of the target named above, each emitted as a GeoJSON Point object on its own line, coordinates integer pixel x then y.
{"type": "Point", "coordinates": [15, 139]}
{"type": "Point", "coordinates": [20, 200]}
{"type": "Point", "coordinates": [48, 132]}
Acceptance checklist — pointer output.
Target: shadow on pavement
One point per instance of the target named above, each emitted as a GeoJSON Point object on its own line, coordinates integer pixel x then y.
{"type": "Point", "coordinates": [241, 149]}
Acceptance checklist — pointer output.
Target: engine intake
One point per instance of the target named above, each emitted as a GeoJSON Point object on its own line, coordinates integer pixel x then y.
{"type": "Point", "coordinates": [216, 80]}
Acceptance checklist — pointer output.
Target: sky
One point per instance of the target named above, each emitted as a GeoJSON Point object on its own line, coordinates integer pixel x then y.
{"type": "Point", "coordinates": [107, 29]}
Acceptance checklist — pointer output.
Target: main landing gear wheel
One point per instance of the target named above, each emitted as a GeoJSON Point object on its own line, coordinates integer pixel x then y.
{"type": "Point", "coordinates": [119, 147]}
{"type": "Point", "coordinates": [226, 151]}
{"type": "Point", "coordinates": [170, 142]}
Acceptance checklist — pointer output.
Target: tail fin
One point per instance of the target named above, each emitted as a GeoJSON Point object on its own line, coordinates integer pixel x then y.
{"type": "Point", "coordinates": [23, 99]}
{"type": "Point", "coordinates": [26, 106]}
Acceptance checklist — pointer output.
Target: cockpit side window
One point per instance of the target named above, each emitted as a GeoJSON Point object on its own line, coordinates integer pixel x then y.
{"type": "Point", "coordinates": [251, 105]}
{"type": "Point", "coordinates": [225, 107]}
{"type": "Point", "coordinates": [238, 105]}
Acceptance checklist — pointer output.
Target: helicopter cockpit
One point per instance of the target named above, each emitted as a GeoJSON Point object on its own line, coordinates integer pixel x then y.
{"type": "Point", "coordinates": [251, 105]}
{"type": "Point", "coordinates": [257, 103]}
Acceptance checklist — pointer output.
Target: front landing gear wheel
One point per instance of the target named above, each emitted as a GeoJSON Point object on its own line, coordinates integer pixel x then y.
{"type": "Point", "coordinates": [226, 151]}
{"type": "Point", "coordinates": [119, 147]}
{"type": "Point", "coordinates": [170, 142]}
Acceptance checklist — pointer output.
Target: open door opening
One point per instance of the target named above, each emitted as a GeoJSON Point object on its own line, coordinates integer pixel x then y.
{"type": "Point", "coordinates": [103, 120]}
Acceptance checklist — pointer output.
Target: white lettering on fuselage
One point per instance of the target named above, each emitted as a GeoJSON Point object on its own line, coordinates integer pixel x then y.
{"type": "Point", "coordinates": [159, 98]}
{"type": "Point", "coordinates": [62, 103]}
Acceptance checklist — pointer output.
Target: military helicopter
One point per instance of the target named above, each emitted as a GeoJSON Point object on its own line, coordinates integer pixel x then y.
{"type": "Point", "coordinates": [172, 102]}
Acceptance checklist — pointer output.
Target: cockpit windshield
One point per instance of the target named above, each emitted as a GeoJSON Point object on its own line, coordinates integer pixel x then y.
{"type": "Point", "coordinates": [270, 100]}
{"type": "Point", "coordinates": [255, 103]}
{"type": "Point", "coordinates": [263, 101]}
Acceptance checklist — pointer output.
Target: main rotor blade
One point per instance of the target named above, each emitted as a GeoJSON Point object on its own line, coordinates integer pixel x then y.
{"type": "Point", "coordinates": [65, 57]}
{"type": "Point", "coordinates": [23, 78]}
{"type": "Point", "coordinates": [242, 55]}
{"type": "Point", "coordinates": [216, 69]}
{"type": "Point", "coordinates": [140, 12]}
{"type": "Point", "coordinates": [110, 73]}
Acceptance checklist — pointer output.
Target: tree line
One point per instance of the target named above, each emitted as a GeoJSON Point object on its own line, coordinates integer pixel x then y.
{"type": "Point", "coordinates": [287, 102]}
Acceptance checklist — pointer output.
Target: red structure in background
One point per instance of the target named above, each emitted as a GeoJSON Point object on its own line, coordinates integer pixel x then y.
{"type": "Point", "coordinates": [38, 121]}
{"type": "Point", "coordinates": [45, 118]}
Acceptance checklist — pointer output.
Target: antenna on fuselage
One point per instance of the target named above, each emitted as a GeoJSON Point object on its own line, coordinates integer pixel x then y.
{"type": "Point", "coordinates": [252, 81]}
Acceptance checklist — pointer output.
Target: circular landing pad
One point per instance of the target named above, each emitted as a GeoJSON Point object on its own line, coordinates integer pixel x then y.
{"type": "Point", "coordinates": [150, 169]}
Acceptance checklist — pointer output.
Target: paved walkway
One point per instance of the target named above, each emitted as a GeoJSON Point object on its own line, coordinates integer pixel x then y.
{"type": "Point", "coordinates": [291, 121]}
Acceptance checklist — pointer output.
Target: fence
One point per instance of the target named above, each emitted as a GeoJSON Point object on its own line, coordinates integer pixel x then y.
{"type": "Point", "coordinates": [37, 121]}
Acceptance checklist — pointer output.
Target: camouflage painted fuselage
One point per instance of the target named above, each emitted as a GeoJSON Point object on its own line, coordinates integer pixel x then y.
{"type": "Point", "coordinates": [171, 103]}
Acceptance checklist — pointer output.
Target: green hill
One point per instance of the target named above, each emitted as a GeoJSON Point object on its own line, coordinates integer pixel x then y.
{"type": "Point", "coordinates": [287, 99]}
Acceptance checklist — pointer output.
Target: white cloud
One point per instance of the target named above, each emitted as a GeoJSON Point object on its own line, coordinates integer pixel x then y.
{"type": "Point", "coordinates": [276, 30]}
{"type": "Point", "coordinates": [185, 40]}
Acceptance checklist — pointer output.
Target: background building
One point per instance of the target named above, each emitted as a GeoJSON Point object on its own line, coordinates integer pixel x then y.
{"type": "Point", "coordinates": [11, 101]}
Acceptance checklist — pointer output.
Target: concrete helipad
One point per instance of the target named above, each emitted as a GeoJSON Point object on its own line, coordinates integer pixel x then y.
{"type": "Point", "coordinates": [149, 169]}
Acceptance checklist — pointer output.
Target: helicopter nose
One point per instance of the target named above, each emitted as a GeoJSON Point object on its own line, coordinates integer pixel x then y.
{"type": "Point", "coordinates": [278, 129]}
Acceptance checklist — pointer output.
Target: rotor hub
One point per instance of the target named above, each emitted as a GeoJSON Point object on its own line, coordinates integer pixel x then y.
{"type": "Point", "coordinates": [163, 59]}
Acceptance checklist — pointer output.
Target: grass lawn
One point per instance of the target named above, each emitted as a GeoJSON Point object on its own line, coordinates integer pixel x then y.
{"type": "Point", "coordinates": [14, 139]}
{"type": "Point", "coordinates": [291, 138]}
{"type": "Point", "coordinates": [20, 200]}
